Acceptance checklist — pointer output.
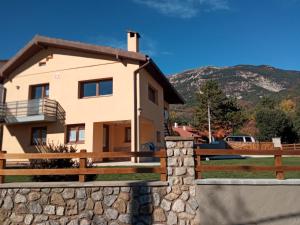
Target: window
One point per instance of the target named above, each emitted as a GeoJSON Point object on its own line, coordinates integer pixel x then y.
{"type": "Point", "coordinates": [158, 137]}
{"type": "Point", "coordinates": [127, 134]}
{"type": "Point", "coordinates": [248, 139]}
{"type": "Point", "coordinates": [75, 133]}
{"type": "Point", "coordinates": [39, 91]}
{"type": "Point", "coordinates": [96, 88]}
{"type": "Point", "coordinates": [152, 94]}
{"type": "Point", "coordinates": [38, 135]}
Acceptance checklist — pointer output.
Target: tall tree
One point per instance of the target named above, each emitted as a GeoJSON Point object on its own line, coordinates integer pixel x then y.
{"type": "Point", "coordinates": [275, 123]}
{"type": "Point", "coordinates": [225, 112]}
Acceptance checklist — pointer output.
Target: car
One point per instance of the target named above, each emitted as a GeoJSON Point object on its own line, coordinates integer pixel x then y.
{"type": "Point", "coordinates": [239, 139]}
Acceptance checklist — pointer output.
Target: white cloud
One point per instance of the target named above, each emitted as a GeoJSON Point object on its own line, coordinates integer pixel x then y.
{"type": "Point", "coordinates": [184, 8]}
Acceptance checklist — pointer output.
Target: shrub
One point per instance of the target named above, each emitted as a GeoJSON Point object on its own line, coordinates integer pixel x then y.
{"type": "Point", "coordinates": [58, 164]}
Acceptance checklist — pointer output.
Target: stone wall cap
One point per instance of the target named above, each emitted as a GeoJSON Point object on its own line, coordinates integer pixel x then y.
{"type": "Point", "coordinates": [247, 182]}
{"type": "Point", "coordinates": [178, 138]}
{"type": "Point", "coordinates": [84, 184]}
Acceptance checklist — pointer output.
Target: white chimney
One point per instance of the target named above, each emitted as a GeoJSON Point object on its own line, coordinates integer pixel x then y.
{"type": "Point", "coordinates": [184, 127]}
{"type": "Point", "coordinates": [133, 41]}
{"type": "Point", "coordinates": [175, 125]}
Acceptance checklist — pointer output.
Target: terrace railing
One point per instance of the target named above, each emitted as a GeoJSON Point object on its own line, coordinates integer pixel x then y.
{"type": "Point", "coordinates": [278, 168]}
{"type": "Point", "coordinates": [83, 170]}
{"type": "Point", "coordinates": [30, 111]}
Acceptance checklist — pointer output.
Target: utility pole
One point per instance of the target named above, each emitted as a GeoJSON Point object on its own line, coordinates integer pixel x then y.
{"type": "Point", "coordinates": [209, 126]}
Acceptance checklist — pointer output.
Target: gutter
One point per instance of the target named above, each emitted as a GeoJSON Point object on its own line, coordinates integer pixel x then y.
{"type": "Point", "coordinates": [135, 109]}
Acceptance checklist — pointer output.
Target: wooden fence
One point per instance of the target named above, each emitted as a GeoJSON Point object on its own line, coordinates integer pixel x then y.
{"type": "Point", "coordinates": [82, 170]}
{"type": "Point", "coordinates": [251, 145]}
{"type": "Point", "coordinates": [291, 146]}
{"type": "Point", "coordinates": [278, 167]}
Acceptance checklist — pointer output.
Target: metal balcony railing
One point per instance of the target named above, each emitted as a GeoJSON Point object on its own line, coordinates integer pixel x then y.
{"type": "Point", "coordinates": [34, 110]}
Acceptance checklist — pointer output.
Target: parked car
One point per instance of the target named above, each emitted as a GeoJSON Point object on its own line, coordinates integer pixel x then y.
{"type": "Point", "coordinates": [239, 139]}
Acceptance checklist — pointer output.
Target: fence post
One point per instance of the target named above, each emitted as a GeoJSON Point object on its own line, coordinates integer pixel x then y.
{"type": "Point", "coordinates": [2, 166]}
{"type": "Point", "coordinates": [82, 165]}
{"type": "Point", "coordinates": [163, 166]}
{"type": "Point", "coordinates": [278, 162]}
{"type": "Point", "coordinates": [197, 163]}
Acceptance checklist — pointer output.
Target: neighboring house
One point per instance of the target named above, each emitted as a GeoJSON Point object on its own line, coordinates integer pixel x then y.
{"type": "Point", "coordinates": [188, 131]}
{"type": "Point", "coordinates": [97, 98]}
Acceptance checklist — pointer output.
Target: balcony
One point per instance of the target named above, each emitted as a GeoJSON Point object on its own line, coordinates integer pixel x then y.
{"type": "Point", "coordinates": [29, 111]}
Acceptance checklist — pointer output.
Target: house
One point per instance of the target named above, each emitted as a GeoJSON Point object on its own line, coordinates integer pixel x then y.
{"type": "Point", "coordinates": [189, 131]}
{"type": "Point", "coordinates": [97, 98]}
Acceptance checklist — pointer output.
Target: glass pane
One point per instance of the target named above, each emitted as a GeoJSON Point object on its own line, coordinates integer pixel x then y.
{"type": "Point", "coordinates": [37, 92]}
{"type": "Point", "coordinates": [72, 135]}
{"type": "Point", "coordinates": [128, 135]}
{"type": "Point", "coordinates": [44, 136]}
{"type": "Point", "coordinates": [106, 87]}
{"type": "Point", "coordinates": [47, 90]}
{"type": "Point", "coordinates": [248, 139]}
{"type": "Point", "coordinates": [35, 136]}
{"type": "Point", "coordinates": [152, 94]}
{"type": "Point", "coordinates": [89, 89]}
{"type": "Point", "coordinates": [105, 137]}
{"type": "Point", "coordinates": [81, 134]}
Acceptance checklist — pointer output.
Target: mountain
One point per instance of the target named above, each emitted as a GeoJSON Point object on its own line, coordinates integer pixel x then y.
{"type": "Point", "coordinates": [248, 83]}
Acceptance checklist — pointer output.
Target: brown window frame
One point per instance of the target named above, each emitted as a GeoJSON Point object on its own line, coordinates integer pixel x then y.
{"type": "Point", "coordinates": [40, 135]}
{"type": "Point", "coordinates": [77, 128]}
{"type": "Point", "coordinates": [43, 85]}
{"type": "Point", "coordinates": [155, 100]}
{"type": "Point", "coordinates": [127, 139]}
{"type": "Point", "coordinates": [97, 81]}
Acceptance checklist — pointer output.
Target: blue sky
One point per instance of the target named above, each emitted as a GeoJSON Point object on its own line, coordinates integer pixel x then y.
{"type": "Point", "coordinates": [177, 34]}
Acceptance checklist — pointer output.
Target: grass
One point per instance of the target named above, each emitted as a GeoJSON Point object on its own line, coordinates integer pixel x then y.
{"type": "Point", "coordinates": [289, 161]}
{"type": "Point", "coordinates": [154, 176]}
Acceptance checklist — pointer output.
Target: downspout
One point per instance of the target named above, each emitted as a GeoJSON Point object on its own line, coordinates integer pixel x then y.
{"type": "Point", "coordinates": [135, 109]}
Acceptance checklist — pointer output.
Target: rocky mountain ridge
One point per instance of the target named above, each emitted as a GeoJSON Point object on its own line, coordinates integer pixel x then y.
{"type": "Point", "coordinates": [247, 83]}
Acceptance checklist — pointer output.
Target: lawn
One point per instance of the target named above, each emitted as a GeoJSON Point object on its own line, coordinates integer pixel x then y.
{"type": "Point", "coordinates": [155, 176]}
{"type": "Point", "coordinates": [288, 161]}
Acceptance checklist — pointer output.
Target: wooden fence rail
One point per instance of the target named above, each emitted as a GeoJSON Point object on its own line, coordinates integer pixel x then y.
{"type": "Point", "coordinates": [83, 157]}
{"type": "Point", "coordinates": [278, 168]}
{"type": "Point", "coordinates": [291, 146]}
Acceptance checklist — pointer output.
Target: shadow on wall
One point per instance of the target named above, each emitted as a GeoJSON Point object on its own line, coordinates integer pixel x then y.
{"type": "Point", "coordinates": [248, 205]}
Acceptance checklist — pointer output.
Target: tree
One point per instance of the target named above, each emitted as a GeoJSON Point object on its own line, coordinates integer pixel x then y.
{"type": "Point", "coordinates": [225, 112]}
{"type": "Point", "coordinates": [297, 122]}
{"type": "Point", "coordinates": [275, 123]}
{"type": "Point", "coordinates": [288, 106]}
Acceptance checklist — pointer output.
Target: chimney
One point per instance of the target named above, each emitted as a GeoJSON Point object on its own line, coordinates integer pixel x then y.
{"type": "Point", "coordinates": [133, 41]}
{"type": "Point", "coordinates": [175, 125]}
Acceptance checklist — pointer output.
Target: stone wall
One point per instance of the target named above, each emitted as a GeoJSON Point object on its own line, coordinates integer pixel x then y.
{"type": "Point", "coordinates": [109, 203]}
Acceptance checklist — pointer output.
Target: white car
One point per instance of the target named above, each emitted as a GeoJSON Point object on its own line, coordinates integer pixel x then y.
{"type": "Point", "coordinates": [240, 139]}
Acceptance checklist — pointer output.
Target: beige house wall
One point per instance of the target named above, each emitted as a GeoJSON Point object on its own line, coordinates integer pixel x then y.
{"type": "Point", "coordinates": [63, 71]}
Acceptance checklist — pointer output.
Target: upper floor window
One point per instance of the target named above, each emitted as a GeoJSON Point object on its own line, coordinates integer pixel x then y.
{"type": "Point", "coordinates": [152, 94]}
{"type": "Point", "coordinates": [38, 135]}
{"type": "Point", "coordinates": [95, 88]}
{"type": "Point", "coordinates": [75, 133]}
{"type": "Point", "coordinates": [39, 91]}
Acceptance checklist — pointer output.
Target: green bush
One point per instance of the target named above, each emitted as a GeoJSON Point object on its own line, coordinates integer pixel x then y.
{"type": "Point", "coordinates": [58, 164]}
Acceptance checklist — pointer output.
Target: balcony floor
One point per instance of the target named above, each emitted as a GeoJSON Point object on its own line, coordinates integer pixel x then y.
{"type": "Point", "coordinates": [30, 119]}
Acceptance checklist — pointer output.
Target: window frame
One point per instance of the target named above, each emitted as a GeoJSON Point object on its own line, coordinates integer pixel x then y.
{"type": "Point", "coordinates": [127, 139]}
{"type": "Point", "coordinates": [98, 86]}
{"type": "Point", "coordinates": [155, 91]}
{"type": "Point", "coordinates": [40, 135]}
{"type": "Point", "coordinates": [43, 85]}
{"type": "Point", "coordinates": [77, 128]}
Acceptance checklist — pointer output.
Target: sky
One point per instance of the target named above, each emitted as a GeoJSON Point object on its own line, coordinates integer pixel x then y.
{"type": "Point", "coordinates": [178, 34]}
